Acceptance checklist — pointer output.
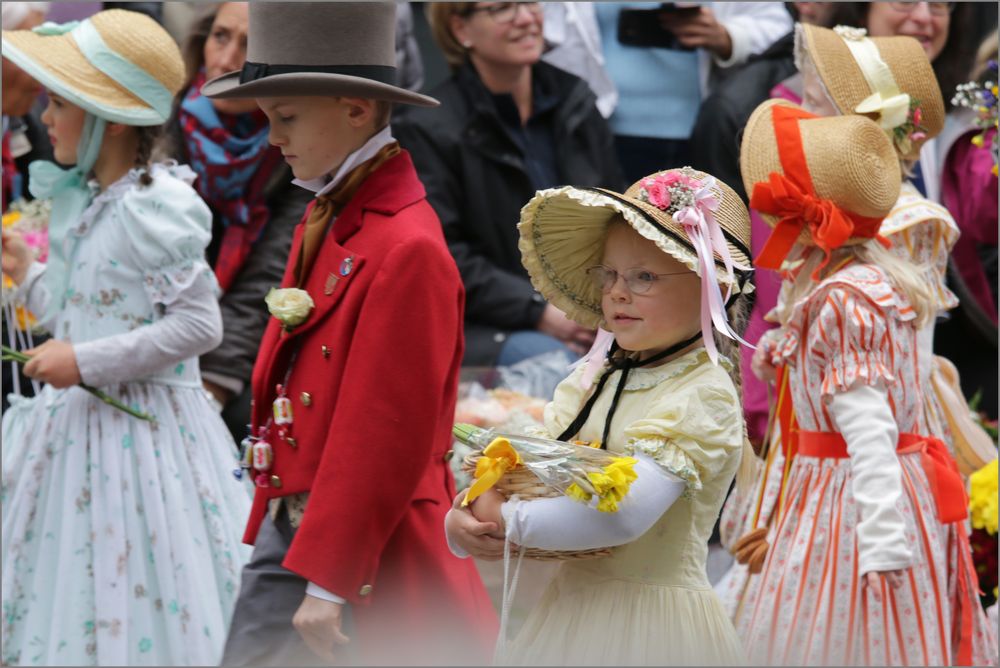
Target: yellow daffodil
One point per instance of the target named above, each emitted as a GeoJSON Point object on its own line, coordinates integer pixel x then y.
{"type": "Point", "coordinates": [498, 458]}
{"type": "Point", "coordinates": [11, 218]}
{"type": "Point", "coordinates": [983, 498]}
{"type": "Point", "coordinates": [576, 493]}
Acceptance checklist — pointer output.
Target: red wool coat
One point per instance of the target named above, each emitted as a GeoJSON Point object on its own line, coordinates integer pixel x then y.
{"type": "Point", "coordinates": [373, 387]}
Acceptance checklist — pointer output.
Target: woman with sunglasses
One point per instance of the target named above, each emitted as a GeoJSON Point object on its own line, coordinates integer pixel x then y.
{"type": "Point", "coordinates": [508, 125]}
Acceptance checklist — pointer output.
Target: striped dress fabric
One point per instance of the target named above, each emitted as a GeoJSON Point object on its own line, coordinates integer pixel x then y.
{"type": "Point", "coordinates": [810, 607]}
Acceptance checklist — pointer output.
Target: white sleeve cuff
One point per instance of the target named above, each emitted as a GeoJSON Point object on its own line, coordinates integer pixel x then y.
{"type": "Point", "coordinates": [562, 523]}
{"type": "Point", "coordinates": [314, 590]}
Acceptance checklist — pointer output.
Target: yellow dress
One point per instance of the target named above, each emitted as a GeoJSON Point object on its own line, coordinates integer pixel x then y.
{"type": "Point", "coordinates": [649, 602]}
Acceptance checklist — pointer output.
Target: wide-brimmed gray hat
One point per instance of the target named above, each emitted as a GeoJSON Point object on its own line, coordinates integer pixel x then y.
{"type": "Point", "coordinates": [319, 48]}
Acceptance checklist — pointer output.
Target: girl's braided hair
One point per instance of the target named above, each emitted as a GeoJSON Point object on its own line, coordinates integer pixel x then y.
{"type": "Point", "coordinates": [148, 137]}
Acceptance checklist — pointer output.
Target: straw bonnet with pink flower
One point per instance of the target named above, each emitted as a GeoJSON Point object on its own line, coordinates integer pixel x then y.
{"type": "Point", "coordinates": [690, 215]}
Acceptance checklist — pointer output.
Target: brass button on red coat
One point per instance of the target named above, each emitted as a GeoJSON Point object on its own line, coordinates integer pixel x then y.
{"type": "Point", "coordinates": [306, 399]}
{"type": "Point", "coordinates": [365, 590]}
{"type": "Point", "coordinates": [291, 441]}
{"type": "Point", "coordinates": [326, 351]}
{"type": "Point", "coordinates": [275, 481]}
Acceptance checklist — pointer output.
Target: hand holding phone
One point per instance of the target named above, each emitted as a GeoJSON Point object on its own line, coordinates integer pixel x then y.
{"type": "Point", "coordinates": [697, 28]}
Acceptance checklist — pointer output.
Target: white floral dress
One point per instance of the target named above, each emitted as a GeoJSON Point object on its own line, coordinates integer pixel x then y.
{"type": "Point", "coordinates": [122, 538]}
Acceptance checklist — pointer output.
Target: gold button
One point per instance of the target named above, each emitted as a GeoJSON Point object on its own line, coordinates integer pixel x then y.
{"type": "Point", "coordinates": [291, 441]}
{"type": "Point", "coordinates": [275, 481]}
{"type": "Point", "coordinates": [326, 351]}
{"type": "Point", "coordinates": [365, 590]}
{"type": "Point", "coordinates": [306, 399]}
{"type": "Point", "coordinates": [448, 455]}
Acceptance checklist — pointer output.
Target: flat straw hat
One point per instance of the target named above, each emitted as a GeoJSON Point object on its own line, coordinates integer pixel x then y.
{"type": "Point", "coordinates": [562, 234]}
{"type": "Point", "coordinates": [118, 65]}
{"type": "Point", "coordinates": [848, 84]}
{"type": "Point", "coordinates": [850, 162]}
{"type": "Point", "coordinates": [320, 49]}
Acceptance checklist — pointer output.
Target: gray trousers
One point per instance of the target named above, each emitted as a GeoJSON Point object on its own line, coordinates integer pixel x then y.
{"type": "Point", "coordinates": [261, 633]}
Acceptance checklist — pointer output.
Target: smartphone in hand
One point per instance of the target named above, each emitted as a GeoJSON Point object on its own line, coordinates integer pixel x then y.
{"type": "Point", "coordinates": [641, 27]}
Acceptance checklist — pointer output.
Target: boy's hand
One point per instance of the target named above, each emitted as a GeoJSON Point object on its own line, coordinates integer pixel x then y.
{"type": "Point", "coordinates": [16, 256]}
{"type": "Point", "coordinates": [470, 534]}
{"type": "Point", "coordinates": [318, 622]}
{"type": "Point", "coordinates": [53, 362]}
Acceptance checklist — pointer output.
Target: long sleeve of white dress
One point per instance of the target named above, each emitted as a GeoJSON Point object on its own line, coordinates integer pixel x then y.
{"type": "Point", "coordinates": [190, 326]}
{"type": "Point", "coordinates": [864, 418]}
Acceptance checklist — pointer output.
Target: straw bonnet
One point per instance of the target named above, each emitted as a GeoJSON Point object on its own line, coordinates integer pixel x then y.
{"type": "Point", "coordinates": [562, 235]}
{"type": "Point", "coordinates": [320, 49]}
{"type": "Point", "coordinates": [885, 78]}
{"type": "Point", "coordinates": [824, 170]}
{"type": "Point", "coordinates": [118, 65]}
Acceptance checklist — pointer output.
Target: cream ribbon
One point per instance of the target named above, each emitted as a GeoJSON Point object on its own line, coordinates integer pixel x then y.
{"type": "Point", "coordinates": [886, 100]}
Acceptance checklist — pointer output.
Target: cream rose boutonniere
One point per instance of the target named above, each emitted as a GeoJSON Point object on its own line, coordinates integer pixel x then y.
{"type": "Point", "coordinates": [290, 306]}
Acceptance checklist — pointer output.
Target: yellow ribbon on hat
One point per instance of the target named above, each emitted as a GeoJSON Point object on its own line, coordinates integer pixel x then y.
{"type": "Point", "coordinates": [498, 458]}
{"type": "Point", "coordinates": [886, 100]}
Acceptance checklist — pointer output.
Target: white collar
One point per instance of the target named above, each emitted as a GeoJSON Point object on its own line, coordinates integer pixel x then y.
{"type": "Point", "coordinates": [321, 186]}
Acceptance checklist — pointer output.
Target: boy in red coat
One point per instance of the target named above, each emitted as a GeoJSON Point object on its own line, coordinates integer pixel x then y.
{"type": "Point", "coordinates": [354, 388]}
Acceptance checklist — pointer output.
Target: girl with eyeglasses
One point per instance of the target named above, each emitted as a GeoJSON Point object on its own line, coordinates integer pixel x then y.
{"type": "Point", "coordinates": [661, 268]}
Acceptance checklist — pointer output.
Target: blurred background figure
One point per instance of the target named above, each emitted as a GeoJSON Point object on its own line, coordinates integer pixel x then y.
{"type": "Point", "coordinates": [249, 189]}
{"type": "Point", "coordinates": [969, 191]}
{"type": "Point", "coordinates": [573, 43]}
{"type": "Point", "coordinates": [409, 64]}
{"type": "Point", "coordinates": [509, 124]}
{"type": "Point", "coordinates": [24, 141]}
{"type": "Point", "coordinates": [663, 58]}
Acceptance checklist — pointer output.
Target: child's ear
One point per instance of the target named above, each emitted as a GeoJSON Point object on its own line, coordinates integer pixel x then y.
{"type": "Point", "coordinates": [360, 110]}
{"type": "Point", "coordinates": [116, 129]}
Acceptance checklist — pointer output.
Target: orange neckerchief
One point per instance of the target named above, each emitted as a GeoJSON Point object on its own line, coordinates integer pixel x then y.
{"type": "Point", "coordinates": [329, 206]}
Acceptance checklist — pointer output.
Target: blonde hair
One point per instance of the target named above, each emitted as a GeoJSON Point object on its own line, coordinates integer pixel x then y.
{"type": "Point", "coordinates": [904, 275]}
{"type": "Point", "coordinates": [439, 17]}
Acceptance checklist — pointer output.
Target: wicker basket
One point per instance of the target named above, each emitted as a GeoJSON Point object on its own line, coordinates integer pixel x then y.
{"type": "Point", "coordinates": [526, 485]}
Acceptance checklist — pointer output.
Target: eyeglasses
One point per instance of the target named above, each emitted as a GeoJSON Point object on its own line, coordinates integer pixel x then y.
{"type": "Point", "coordinates": [506, 12]}
{"type": "Point", "coordinates": [638, 281]}
{"type": "Point", "coordinates": [935, 8]}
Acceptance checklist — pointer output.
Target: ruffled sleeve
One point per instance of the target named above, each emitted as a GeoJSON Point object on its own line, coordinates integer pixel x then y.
{"type": "Point", "coordinates": [691, 431]}
{"type": "Point", "coordinates": [168, 228]}
{"type": "Point", "coordinates": [849, 338]}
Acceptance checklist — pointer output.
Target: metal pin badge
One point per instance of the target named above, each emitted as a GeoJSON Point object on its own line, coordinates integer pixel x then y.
{"type": "Point", "coordinates": [346, 266]}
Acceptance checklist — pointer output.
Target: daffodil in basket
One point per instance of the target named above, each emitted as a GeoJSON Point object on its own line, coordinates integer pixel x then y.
{"type": "Point", "coordinates": [581, 472]}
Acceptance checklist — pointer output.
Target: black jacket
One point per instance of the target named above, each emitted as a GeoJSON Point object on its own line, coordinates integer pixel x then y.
{"type": "Point", "coordinates": [715, 139]}
{"type": "Point", "coordinates": [476, 181]}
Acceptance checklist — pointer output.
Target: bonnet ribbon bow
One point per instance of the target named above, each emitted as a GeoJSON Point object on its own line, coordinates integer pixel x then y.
{"type": "Point", "coordinates": [698, 221]}
{"type": "Point", "coordinates": [791, 197]}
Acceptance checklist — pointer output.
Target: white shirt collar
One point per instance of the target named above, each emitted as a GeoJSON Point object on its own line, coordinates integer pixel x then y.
{"type": "Point", "coordinates": [321, 186]}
